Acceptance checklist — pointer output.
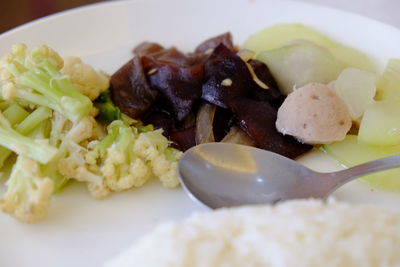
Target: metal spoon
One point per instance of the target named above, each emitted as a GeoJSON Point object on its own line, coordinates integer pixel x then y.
{"type": "Point", "coordinates": [224, 175]}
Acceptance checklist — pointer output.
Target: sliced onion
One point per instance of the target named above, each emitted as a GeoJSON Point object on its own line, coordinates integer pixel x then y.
{"type": "Point", "coordinates": [238, 136]}
{"type": "Point", "coordinates": [246, 54]}
{"type": "Point", "coordinates": [204, 124]}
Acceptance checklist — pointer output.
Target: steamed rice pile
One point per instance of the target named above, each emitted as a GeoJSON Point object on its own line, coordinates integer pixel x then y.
{"type": "Point", "coordinates": [296, 233]}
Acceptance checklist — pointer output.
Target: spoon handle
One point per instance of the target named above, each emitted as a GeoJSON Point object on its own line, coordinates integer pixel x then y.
{"type": "Point", "coordinates": [344, 176]}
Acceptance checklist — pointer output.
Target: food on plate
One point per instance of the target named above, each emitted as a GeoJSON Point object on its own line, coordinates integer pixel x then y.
{"type": "Point", "coordinates": [380, 124]}
{"type": "Point", "coordinates": [350, 152]}
{"type": "Point", "coordinates": [294, 233]}
{"type": "Point", "coordinates": [299, 63]}
{"type": "Point", "coordinates": [357, 88]}
{"type": "Point", "coordinates": [62, 120]}
{"type": "Point", "coordinates": [314, 114]}
{"type": "Point", "coordinates": [49, 134]}
{"type": "Point", "coordinates": [85, 78]}
{"type": "Point", "coordinates": [281, 34]}
{"type": "Point", "coordinates": [202, 96]}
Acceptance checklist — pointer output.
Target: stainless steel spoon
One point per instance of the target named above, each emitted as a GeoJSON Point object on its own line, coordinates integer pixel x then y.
{"type": "Point", "coordinates": [224, 175]}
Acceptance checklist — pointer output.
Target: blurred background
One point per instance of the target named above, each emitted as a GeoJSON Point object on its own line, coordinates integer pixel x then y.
{"type": "Point", "coordinates": [16, 12]}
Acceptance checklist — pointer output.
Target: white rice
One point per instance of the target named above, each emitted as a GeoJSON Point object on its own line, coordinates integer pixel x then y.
{"type": "Point", "coordinates": [296, 233]}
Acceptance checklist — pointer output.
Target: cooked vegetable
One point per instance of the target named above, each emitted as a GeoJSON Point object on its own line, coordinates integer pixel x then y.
{"type": "Point", "coordinates": [272, 95]}
{"type": "Point", "coordinates": [28, 191]}
{"type": "Point", "coordinates": [380, 124]}
{"type": "Point", "coordinates": [108, 112]}
{"type": "Point", "coordinates": [125, 158]}
{"type": "Point", "coordinates": [389, 82]}
{"type": "Point", "coordinates": [258, 119]}
{"type": "Point", "coordinates": [300, 63]}
{"type": "Point", "coordinates": [47, 119]}
{"type": "Point", "coordinates": [25, 127]}
{"type": "Point", "coordinates": [85, 78]}
{"type": "Point", "coordinates": [40, 70]}
{"type": "Point", "coordinates": [227, 77]}
{"type": "Point", "coordinates": [209, 45]}
{"type": "Point", "coordinates": [282, 34]}
{"type": "Point", "coordinates": [130, 90]}
{"type": "Point", "coordinates": [204, 124]}
{"type": "Point", "coordinates": [179, 85]}
{"type": "Point", "coordinates": [121, 168]}
{"type": "Point", "coordinates": [222, 76]}
{"type": "Point", "coordinates": [22, 145]}
{"type": "Point", "coordinates": [351, 152]}
{"type": "Point", "coordinates": [238, 136]}
{"type": "Point", "coordinates": [357, 88]}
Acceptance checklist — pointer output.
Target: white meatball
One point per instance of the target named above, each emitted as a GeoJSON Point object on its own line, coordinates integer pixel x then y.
{"type": "Point", "coordinates": [314, 114]}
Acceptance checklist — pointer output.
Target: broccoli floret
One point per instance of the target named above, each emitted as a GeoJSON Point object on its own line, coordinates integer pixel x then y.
{"type": "Point", "coordinates": [28, 192]}
{"type": "Point", "coordinates": [108, 112]}
{"type": "Point", "coordinates": [35, 77]}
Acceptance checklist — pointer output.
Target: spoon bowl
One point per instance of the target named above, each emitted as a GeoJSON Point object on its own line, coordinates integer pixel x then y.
{"type": "Point", "coordinates": [224, 175]}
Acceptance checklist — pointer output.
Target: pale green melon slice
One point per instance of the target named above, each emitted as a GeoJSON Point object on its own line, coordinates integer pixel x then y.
{"type": "Point", "coordinates": [280, 34]}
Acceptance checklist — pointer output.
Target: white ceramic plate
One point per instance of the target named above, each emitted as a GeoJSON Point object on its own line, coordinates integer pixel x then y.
{"type": "Point", "coordinates": [80, 231]}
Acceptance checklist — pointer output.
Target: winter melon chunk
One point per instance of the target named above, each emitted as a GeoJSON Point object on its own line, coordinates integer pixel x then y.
{"type": "Point", "coordinates": [380, 124]}
{"type": "Point", "coordinates": [389, 82]}
{"type": "Point", "coordinates": [350, 152]}
{"type": "Point", "coordinates": [281, 34]}
{"type": "Point", "coordinates": [300, 63]}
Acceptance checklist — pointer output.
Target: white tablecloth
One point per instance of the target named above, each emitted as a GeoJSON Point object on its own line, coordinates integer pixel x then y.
{"type": "Point", "coordinates": [387, 11]}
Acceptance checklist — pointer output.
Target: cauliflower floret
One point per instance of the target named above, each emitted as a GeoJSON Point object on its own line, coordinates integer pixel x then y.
{"type": "Point", "coordinates": [121, 174]}
{"type": "Point", "coordinates": [82, 130]}
{"type": "Point", "coordinates": [153, 147]}
{"type": "Point", "coordinates": [28, 192]}
{"type": "Point", "coordinates": [121, 168]}
{"type": "Point", "coordinates": [166, 169]}
{"type": "Point", "coordinates": [75, 166]}
{"type": "Point", "coordinates": [85, 78]}
{"type": "Point", "coordinates": [150, 144]}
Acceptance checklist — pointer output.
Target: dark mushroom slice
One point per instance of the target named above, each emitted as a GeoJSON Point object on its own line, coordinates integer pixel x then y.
{"type": "Point", "coordinates": [272, 95]}
{"type": "Point", "coordinates": [258, 119]}
{"type": "Point", "coordinates": [130, 90]}
{"type": "Point", "coordinates": [184, 139]}
{"type": "Point", "coordinates": [223, 120]}
{"type": "Point", "coordinates": [208, 45]}
{"type": "Point", "coordinates": [160, 119]}
{"type": "Point", "coordinates": [227, 77]}
{"type": "Point", "coordinates": [179, 86]}
{"type": "Point", "coordinates": [147, 48]}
